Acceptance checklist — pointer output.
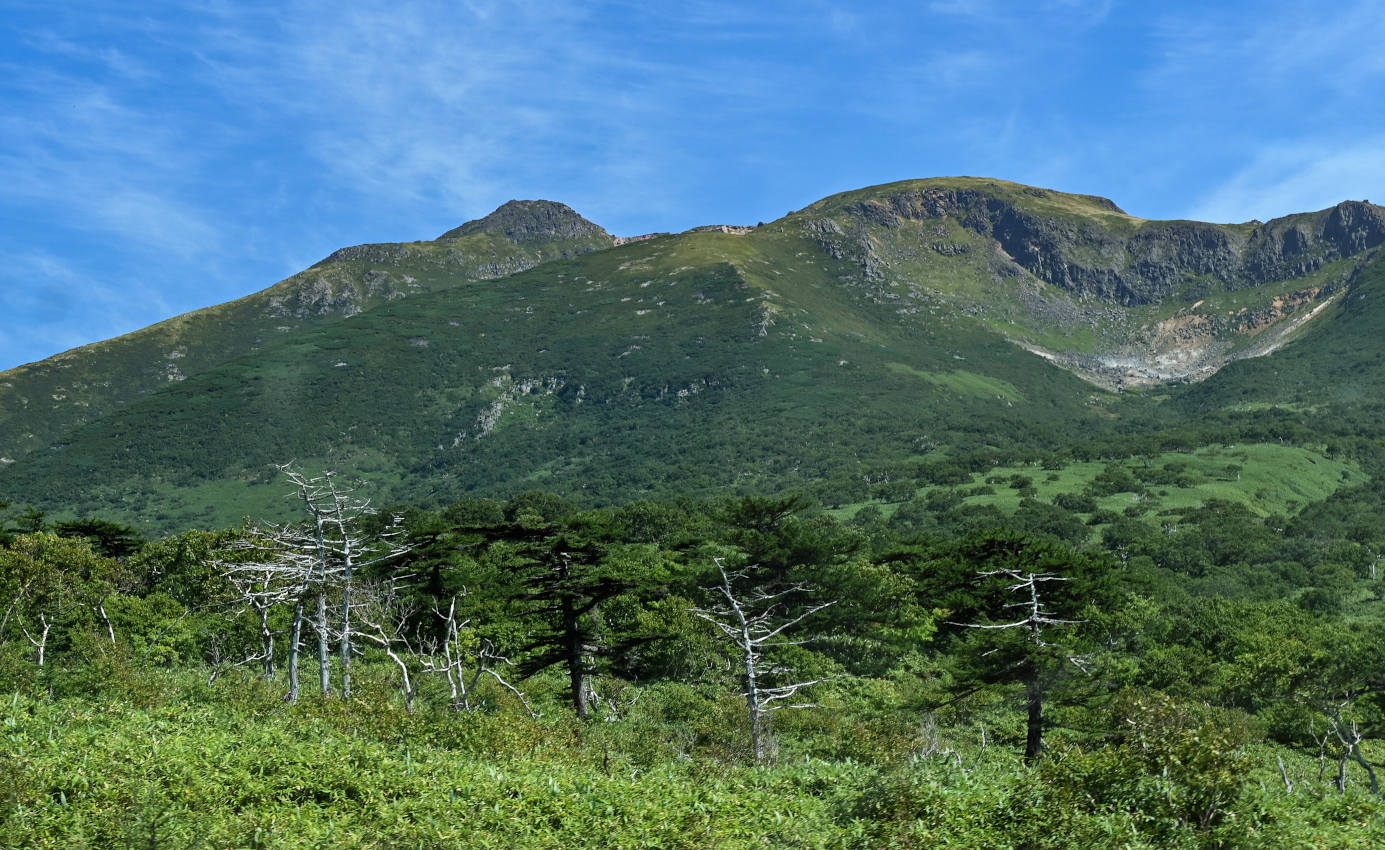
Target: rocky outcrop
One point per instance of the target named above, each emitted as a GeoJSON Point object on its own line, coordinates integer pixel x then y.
{"type": "Point", "coordinates": [535, 222]}
{"type": "Point", "coordinates": [379, 253]}
{"type": "Point", "coordinates": [1298, 245]}
{"type": "Point", "coordinates": [643, 237]}
{"type": "Point", "coordinates": [734, 229]}
{"type": "Point", "coordinates": [1153, 261]}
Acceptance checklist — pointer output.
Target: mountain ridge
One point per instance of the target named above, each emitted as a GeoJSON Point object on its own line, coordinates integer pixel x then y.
{"type": "Point", "coordinates": [880, 329]}
{"type": "Point", "coordinates": [532, 222]}
{"type": "Point", "coordinates": [348, 281]}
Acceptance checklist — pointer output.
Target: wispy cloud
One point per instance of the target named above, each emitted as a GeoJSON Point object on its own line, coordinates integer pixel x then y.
{"type": "Point", "coordinates": [230, 142]}
{"type": "Point", "coordinates": [431, 104]}
{"type": "Point", "coordinates": [1299, 178]}
{"type": "Point", "coordinates": [99, 164]}
{"type": "Point", "coordinates": [1280, 106]}
{"type": "Point", "coordinates": [1288, 55]}
{"type": "Point", "coordinates": [67, 305]}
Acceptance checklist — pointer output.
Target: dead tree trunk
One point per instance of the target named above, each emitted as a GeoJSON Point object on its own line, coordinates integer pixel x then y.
{"type": "Point", "coordinates": [324, 653]}
{"type": "Point", "coordinates": [750, 617]}
{"type": "Point", "coordinates": [274, 570]}
{"type": "Point", "coordinates": [266, 641]}
{"type": "Point", "coordinates": [346, 582]}
{"type": "Point", "coordinates": [295, 649]}
{"type": "Point", "coordinates": [292, 564]}
{"type": "Point", "coordinates": [1349, 736]}
{"type": "Point", "coordinates": [41, 642]}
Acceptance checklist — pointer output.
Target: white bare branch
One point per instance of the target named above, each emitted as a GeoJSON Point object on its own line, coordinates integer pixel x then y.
{"type": "Point", "coordinates": [751, 618]}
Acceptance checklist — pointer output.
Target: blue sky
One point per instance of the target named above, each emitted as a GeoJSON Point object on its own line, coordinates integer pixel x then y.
{"type": "Point", "coordinates": [160, 157]}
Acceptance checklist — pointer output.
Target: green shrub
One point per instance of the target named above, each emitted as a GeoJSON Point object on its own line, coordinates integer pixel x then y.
{"type": "Point", "coordinates": [1171, 766]}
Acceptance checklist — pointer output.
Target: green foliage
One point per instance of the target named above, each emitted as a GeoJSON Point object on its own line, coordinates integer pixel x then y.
{"type": "Point", "coordinates": [109, 539]}
{"type": "Point", "coordinates": [914, 740]}
{"type": "Point", "coordinates": [1172, 766]}
{"type": "Point", "coordinates": [1214, 548]}
{"type": "Point", "coordinates": [565, 571]}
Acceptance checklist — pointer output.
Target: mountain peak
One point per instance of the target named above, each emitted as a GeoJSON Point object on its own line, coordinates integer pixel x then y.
{"type": "Point", "coordinates": [528, 222]}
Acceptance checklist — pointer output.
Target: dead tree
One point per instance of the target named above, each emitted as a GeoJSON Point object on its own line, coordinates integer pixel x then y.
{"type": "Point", "coordinates": [41, 642]}
{"type": "Point", "coordinates": [305, 565]}
{"type": "Point", "coordinates": [755, 621]}
{"type": "Point", "coordinates": [463, 658]}
{"type": "Point", "coordinates": [386, 619]}
{"type": "Point", "coordinates": [1349, 737]}
{"type": "Point", "coordinates": [340, 552]}
{"type": "Point", "coordinates": [270, 580]}
{"type": "Point", "coordinates": [14, 609]}
{"type": "Point", "coordinates": [275, 567]}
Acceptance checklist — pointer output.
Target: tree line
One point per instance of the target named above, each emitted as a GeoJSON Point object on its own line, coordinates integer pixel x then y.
{"type": "Point", "coordinates": [537, 605]}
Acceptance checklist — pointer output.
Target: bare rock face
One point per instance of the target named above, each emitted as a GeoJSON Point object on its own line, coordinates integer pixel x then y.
{"type": "Point", "coordinates": [1154, 259]}
{"type": "Point", "coordinates": [1298, 245]}
{"type": "Point", "coordinates": [532, 222]}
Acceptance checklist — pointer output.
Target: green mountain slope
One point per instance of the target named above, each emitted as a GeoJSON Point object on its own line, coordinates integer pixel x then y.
{"type": "Point", "coordinates": [1336, 365]}
{"type": "Point", "coordinates": [885, 334]}
{"type": "Point", "coordinates": [1121, 300]}
{"type": "Point", "coordinates": [665, 366]}
{"type": "Point", "coordinates": [40, 402]}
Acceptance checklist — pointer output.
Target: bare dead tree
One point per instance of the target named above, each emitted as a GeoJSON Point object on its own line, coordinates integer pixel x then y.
{"type": "Point", "coordinates": [387, 619]}
{"type": "Point", "coordinates": [275, 567]}
{"type": "Point", "coordinates": [41, 642]}
{"type": "Point", "coordinates": [302, 566]}
{"type": "Point", "coordinates": [1349, 736]}
{"type": "Point", "coordinates": [261, 586]}
{"type": "Point", "coordinates": [340, 551]}
{"type": "Point", "coordinates": [464, 658]}
{"type": "Point", "coordinates": [755, 621]}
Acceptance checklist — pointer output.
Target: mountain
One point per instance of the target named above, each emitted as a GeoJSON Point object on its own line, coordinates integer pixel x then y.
{"type": "Point", "coordinates": [1121, 300]}
{"type": "Point", "coordinates": [40, 402]}
{"type": "Point", "coordinates": [896, 333]}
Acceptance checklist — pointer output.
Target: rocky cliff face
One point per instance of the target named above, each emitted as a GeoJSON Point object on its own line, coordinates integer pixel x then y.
{"type": "Point", "coordinates": [1298, 245]}
{"type": "Point", "coordinates": [1144, 262]}
{"type": "Point", "coordinates": [1153, 301]}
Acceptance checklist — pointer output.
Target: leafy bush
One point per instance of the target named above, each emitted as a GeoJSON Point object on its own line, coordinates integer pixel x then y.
{"type": "Point", "coordinates": [1172, 766]}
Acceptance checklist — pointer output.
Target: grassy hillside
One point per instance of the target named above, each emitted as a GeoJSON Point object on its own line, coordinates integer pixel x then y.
{"type": "Point", "coordinates": [41, 402]}
{"type": "Point", "coordinates": [882, 335]}
{"type": "Point", "coordinates": [227, 774]}
{"type": "Point", "coordinates": [670, 366]}
{"type": "Point", "coordinates": [1334, 365]}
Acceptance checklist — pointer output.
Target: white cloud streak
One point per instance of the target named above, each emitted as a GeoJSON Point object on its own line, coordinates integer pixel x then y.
{"type": "Point", "coordinates": [1294, 179]}
{"type": "Point", "coordinates": [229, 142]}
{"type": "Point", "coordinates": [1286, 101]}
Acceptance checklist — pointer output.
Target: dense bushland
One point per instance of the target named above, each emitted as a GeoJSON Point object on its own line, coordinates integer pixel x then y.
{"type": "Point", "coordinates": [530, 673]}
